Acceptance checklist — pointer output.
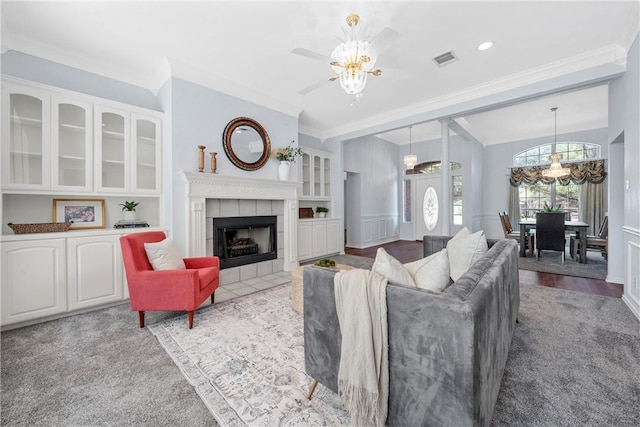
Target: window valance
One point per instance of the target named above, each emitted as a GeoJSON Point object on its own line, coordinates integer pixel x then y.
{"type": "Point", "coordinates": [581, 172]}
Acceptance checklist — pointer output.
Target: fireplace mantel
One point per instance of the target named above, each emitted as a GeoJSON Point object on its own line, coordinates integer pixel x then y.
{"type": "Point", "coordinates": [203, 186]}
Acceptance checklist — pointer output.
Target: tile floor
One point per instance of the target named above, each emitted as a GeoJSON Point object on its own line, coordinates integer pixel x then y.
{"type": "Point", "coordinates": [245, 287]}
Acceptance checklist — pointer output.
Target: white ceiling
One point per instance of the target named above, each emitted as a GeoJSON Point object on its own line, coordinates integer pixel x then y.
{"type": "Point", "coordinates": [244, 48]}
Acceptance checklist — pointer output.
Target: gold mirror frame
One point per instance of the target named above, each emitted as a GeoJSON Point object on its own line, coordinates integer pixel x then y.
{"type": "Point", "coordinates": [228, 149]}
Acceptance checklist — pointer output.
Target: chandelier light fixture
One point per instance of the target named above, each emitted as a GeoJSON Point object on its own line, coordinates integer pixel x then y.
{"type": "Point", "coordinates": [410, 160]}
{"type": "Point", "coordinates": [353, 59]}
{"type": "Point", "coordinates": [555, 170]}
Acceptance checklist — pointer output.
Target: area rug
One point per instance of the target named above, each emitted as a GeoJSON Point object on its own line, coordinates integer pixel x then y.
{"type": "Point", "coordinates": [573, 361]}
{"type": "Point", "coordinates": [550, 262]}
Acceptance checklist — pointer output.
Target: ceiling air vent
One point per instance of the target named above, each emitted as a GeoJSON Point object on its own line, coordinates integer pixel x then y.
{"type": "Point", "coordinates": [445, 58]}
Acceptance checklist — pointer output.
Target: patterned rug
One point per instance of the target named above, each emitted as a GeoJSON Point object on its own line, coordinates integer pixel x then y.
{"type": "Point", "coordinates": [573, 361]}
{"type": "Point", "coordinates": [245, 358]}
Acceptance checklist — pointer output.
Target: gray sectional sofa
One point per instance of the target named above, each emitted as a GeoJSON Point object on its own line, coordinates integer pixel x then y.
{"type": "Point", "coordinates": [447, 351]}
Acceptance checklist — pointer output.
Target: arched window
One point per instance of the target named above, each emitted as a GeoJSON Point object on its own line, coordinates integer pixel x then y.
{"type": "Point", "coordinates": [534, 196]}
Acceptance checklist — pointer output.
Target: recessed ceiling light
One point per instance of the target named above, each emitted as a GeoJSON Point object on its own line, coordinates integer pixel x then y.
{"type": "Point", "coordinates": [485, 46]}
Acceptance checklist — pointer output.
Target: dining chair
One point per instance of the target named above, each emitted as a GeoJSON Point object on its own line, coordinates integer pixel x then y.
{"type": "Point", "coordinates": [550, 232]}
{"type": "Point", "coordinates": [598, 242]}
{"type": "Point", "coordinates": [510, 234]}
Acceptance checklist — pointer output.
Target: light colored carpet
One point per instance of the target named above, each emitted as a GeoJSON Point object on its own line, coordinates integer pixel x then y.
{"type": "Point", "coordinates": [573, 361]}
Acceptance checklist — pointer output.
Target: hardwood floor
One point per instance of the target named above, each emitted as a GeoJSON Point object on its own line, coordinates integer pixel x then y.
{"type": "Point", "coordinates": [406, 251]}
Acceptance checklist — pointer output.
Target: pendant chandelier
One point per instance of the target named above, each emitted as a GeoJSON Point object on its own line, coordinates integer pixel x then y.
{"type": "Point", "coordinates": [410, 160]}
{"type": "Point", "coordinates": [555, 170]}
{"type": "Point", "coordinates": [353, 59]}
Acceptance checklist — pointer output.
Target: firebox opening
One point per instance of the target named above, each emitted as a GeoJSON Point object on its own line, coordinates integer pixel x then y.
{"type": "Point", "coordinates": [244, 240]}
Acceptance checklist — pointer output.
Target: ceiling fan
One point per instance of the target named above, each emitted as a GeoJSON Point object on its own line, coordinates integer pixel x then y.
{"type": "Point", "coordinates": [353, 59]}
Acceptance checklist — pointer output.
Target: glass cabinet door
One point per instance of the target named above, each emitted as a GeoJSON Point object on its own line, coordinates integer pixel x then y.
{"type": "Point", "coordinates": [112, 152]}
{"type": "Point", "coordinates": [26, 143]}
{"type": "Point", "coordinates": [71, 148]}
{"type": "Point", "coordinates": [326, 175]}
{"type": "Point", "coordinates": [146, 155]}
{"type": "Point", "coordinates": [317, 176]}
{"type": "Point", "coordinates": [306, 174]}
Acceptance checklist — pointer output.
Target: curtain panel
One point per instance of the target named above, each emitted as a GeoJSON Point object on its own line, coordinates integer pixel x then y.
{"type": "Point", "coordinates": [592, 171]}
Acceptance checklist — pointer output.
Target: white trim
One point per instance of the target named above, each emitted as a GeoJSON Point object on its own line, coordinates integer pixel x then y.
{"type": "Point", "coordinates": [632, 231]}
{"type": "Point", "coordinates": [609, 55]}
{"type": "Point", "coordinates": [202, 186]}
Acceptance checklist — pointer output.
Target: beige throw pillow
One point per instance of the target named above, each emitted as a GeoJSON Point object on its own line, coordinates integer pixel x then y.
{"type": "Point", "coordinates": [464, 249]}
{"type": "Point", "coordinates": [432, 272]}
{"type": "Point", "coordinates": [392, 269]}
{"type": "Point", "coordinates": [163, 255]}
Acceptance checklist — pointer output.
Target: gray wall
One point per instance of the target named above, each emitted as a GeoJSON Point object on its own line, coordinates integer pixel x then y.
{"type": "Point", "coordinates": [198, 117]}
{"type": "Point", "coordinates": [624, 222]}
{"type": "Point", "coordinates": [498, 160]}
{"type": "Point", "coordinates": [32, 68]}
{"type": "Point", "coordinates": [373, 160]}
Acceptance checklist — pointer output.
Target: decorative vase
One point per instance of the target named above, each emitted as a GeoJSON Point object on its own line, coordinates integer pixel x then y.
{"type": "Point", "coordinates": [129, 215]}
{"type": "Point", "coordinates": [322, 214]}
{"type": "Point", "coordinates": [283, 170]}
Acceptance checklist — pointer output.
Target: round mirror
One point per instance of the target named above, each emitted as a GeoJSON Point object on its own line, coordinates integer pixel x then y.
{"type": "Point", "coordinates": [246, 143]}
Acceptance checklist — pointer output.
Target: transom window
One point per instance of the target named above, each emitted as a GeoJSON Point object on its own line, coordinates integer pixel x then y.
{"type": "Point", "coordinates": [567, 197]}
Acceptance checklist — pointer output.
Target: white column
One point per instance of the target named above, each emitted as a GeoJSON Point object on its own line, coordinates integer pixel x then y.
{"type": "Point", "coordinates": [290, 234]}
{"type": "Point", "coordinates": [445, 203]}
{"type": "Point", "coordinates": [196, 227]}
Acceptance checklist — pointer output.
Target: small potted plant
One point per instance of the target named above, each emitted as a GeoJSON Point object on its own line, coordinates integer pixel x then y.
{"type": "Point", "coordinates": [321, 211]}
{"type": "Point", "coordinates": [129, 210]}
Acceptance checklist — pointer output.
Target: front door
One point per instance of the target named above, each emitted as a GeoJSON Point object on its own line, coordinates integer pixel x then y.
{"type": "Point", "coordinates": [426, 210]}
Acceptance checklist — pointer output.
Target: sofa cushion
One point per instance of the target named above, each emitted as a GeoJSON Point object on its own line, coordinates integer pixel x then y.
{"type": "Point", "coordinates": [392, 269]}
{"type": "Point", "coordinates": [432, 272]}
{"type": "Point", "coordinates": [163, 255]}
{"type": "Point", "coordinates": [464, 249]}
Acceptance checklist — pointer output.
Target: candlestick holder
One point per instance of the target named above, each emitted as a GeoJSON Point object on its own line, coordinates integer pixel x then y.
{"type": "Point", "coordinates": [214, 162]}
{"type": "Point", "coordinates": [201, 158]}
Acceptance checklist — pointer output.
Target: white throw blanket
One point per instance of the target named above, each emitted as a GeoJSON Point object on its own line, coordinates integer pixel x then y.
{"type": "Point", "coordinates": [363, 376]}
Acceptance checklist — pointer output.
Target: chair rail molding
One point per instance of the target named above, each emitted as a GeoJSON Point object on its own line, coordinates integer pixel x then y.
{"type": "Point", "coordinates": [202, 186]}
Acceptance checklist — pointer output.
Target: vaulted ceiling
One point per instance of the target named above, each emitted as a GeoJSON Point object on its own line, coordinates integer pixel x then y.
{"type": "Point", "coordinates": [245, 49]}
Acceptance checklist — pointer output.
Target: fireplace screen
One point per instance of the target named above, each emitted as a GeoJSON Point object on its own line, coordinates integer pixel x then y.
{"type": "Point", "coordinates": [244, 240]}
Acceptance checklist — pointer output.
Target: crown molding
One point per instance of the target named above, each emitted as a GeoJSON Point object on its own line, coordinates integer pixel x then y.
{"type": "Point", "coordinates": [155, 78]}
{"type": "Point", "coordinates": [632, 28]}
{"type": "Point", "coordinates": [207, 79]}
{"type": "Point", "coordinates": [609, 55]}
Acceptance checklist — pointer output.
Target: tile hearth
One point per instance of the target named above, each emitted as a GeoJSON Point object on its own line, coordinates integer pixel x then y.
{"type": "Point", "coordinates": [232, 290]}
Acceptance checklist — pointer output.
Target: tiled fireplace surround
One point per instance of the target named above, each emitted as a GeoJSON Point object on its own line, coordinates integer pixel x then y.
{"type": "Point", "coordinates": [211, 195]}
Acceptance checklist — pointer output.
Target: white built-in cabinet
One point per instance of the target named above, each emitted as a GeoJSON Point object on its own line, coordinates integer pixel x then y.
{"type": "Point", "coordinates": [33, 279]}
{"type": "Point", "coordinates": [94, 271]}
{"type": "Point", "coordinates": [318, 238]}
{"type": "Point", "coordinates": [315, 171]}
{"type": "Point", "coordinates": [62, 144]}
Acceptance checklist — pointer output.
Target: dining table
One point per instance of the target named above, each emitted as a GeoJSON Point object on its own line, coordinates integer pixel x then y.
{"type": "Point", "coordinates": [579, 227]}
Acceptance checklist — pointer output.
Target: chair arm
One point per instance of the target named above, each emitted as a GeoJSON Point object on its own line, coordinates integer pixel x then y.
{"type": "Point", "coordinates": [201, 262]}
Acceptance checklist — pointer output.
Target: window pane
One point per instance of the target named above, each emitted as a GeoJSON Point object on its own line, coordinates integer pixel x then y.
{"type": "Point", "coordinates": [456, 182]}
{"type": "Point", "coordinates": [407, 200]}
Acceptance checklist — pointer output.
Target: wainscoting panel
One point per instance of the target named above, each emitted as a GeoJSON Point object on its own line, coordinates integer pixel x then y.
{"type": "Point", "coordinates": [379, 229]}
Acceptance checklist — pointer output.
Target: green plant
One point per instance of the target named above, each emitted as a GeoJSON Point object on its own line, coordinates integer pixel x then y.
{"type": "Point", "coordinates": [129, 206]}
{"type": "Point", "coordinates": [320, 209]}
{"type": "Point", "coordinates": [288, 154]}
{"type": "Point", "coordinates": [325, 262]}
{"type": "Point", "coordinates": [547, 208]}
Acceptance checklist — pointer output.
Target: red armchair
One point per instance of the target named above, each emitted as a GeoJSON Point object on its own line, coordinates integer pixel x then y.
{"type": "Point", "coordinates": [152, 290]}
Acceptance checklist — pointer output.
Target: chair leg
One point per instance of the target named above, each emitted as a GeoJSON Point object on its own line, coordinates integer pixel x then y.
{"type": "Point", "coordinates": [312, 389]}
{"type": "Point", "coordinates": [141, 318]}
{"type": "Point", "coordinates": [563, 257]}
{"type": "Point", "coordinates": [213, 298]}
{"type": "Point", "coordinates": [190, 319]}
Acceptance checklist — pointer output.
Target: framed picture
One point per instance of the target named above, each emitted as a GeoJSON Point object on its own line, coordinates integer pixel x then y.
{"type": "Point", "coordinates": [83, 213]}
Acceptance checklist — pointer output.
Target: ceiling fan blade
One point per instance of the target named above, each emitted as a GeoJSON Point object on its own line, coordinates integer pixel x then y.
{"type": "Point", "coordinates": [314, 86]}
{"type": "Point", "coordinates": [384, 39]}
{"type": "Point", "coordinates": [311, 54]}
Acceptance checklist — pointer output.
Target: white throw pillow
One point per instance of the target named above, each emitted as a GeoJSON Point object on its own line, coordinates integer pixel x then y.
{"type": "Point", "coordinates": [432, 272]}
{"type": "Point", "coordinates": [163, 255]}
{"type": "Point", "coordinates": [392, 269]}
{"type": "Point", "coordinates": [464, 249]}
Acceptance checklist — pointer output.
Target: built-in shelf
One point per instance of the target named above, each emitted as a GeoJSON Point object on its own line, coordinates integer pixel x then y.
{"type": "Point", "coordinates": [73, 127]}
{"type": "Point", "coordinates": [26, 120]}
{"type": "Point", "coordinates": [25, 154]}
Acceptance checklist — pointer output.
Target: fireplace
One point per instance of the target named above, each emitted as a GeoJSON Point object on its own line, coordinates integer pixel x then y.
{"type": "Point", "coordinates": [244, 240]}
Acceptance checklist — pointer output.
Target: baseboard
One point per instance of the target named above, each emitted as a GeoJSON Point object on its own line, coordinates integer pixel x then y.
{"type": "Point", "coordinates": [633, 306]}
{"type": "Point", "coordinates": [614, 279]}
